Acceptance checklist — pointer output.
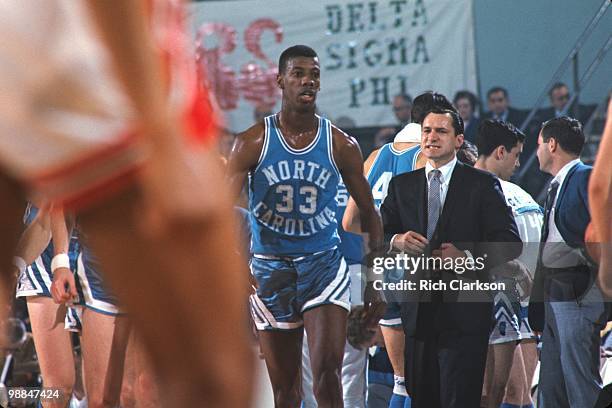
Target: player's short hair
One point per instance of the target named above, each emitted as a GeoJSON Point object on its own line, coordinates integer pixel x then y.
{"type": "Point", "coordinates": [427, 101]}
{"type": "Point", "coordinates": [497, 89]}
{"type": "Point", "coordinates": [357, 332]}
{"type": "Point", "coordinates": [566, 131]}
{"type": "Point", "coordinates": [494, 133]}
{"type": "Point", "coordinates": [295, 51]}
{"type": "Point", "coordinates": [457, 121]}
{"type": "Point", "coordinates": [405, 97]}
{"type": "Point", "coordinates": [467, 153]}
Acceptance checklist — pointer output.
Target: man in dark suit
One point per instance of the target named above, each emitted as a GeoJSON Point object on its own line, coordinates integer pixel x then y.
{"type": "Point", "coordinates": [559, 95]}
{"type": "Point", "coordinates": [573, 311]}
{"type": "Point", "coordinates": [447, 210]}
{"type": "Point", "coordinates": [499, 107]}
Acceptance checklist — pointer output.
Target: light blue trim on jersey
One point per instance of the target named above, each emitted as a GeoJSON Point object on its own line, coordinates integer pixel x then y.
{"type": "Point", "coordinates": [529, 208]}
{"type": "Point", "coordinates": [330, 150]}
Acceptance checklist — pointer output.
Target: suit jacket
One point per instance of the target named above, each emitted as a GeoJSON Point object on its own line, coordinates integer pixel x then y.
{"type": "Point", "coordinates": [515, 116]}
{"type": "Point", "coordinates": [571, 218]}
{"type": "Point", "coordinates": [474, 217]}
{"type": "Point", "coordinates": [471, 129]}
{"type": "Point", "coordinates": [583, 113]}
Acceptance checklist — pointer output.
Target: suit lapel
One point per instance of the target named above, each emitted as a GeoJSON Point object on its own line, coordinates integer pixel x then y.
{"type": "Point", "coordinates": [563, 187]}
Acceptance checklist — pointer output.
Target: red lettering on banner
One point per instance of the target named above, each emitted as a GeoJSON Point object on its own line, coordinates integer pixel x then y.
{"type": "Point", "coordinates": [255, 83]}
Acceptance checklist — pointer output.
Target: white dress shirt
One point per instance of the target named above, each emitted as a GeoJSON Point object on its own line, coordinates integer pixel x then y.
{"type": "Point", "coordinates": [447, 172]}
{"type": "Point", "coordinates": [556, 253]}
{"type": "Point", "coordinates": [445, 177]}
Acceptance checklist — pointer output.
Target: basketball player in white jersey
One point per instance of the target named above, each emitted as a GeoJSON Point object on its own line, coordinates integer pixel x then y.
{"type": "Point", "coordinates": [499, 147]}
{"type": "Point", "coordinates": [107, 99]}
{"type": "Point", "coordinates": [400, 156]}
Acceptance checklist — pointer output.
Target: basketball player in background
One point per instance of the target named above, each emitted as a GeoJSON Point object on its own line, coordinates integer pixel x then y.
{"type": "Point", "coordinates": [108, 95]}
{"type": "Point", "coordinates": [295, 160]}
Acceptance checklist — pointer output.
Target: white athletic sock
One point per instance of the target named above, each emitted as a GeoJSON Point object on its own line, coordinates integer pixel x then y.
{"type": "Point", "coordinates": [399, 386]}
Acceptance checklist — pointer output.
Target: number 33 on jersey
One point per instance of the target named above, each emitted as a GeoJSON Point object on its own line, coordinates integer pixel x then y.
{"type": "Point", "coordinates": [292, 197]}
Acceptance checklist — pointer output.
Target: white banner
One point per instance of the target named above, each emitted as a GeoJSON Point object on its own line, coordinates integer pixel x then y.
{"type": "Point", "coordinates": [369, 51]}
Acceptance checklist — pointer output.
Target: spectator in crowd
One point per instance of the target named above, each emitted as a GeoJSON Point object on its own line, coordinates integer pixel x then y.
{"type": "Point", "coordinates": [466, 103]}
{"type": "Point", "coordinates": [565, 303]}
{"type": "Point", "coordinates": [498, 103]}
{"type": "Point", "coordinates": [560, 95]}
{"type": "Point", "coordinates": [402, 106]}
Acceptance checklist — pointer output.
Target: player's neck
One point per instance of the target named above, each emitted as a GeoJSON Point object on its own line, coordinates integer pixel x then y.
{"type": "Point", "coordinates": [483, 163]}
{"type": "Point", "coordinates": [295, 122]}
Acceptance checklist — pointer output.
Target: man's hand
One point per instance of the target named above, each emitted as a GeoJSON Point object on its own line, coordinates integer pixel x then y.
{"type": "Point", "coordinates": [448, 250]}
{"type": "Point", "coordinates": [373, 305]}
{"type": "Point", "coordinates": [411, 242]}
{"type": "Point", "coordinates": [63, 288]}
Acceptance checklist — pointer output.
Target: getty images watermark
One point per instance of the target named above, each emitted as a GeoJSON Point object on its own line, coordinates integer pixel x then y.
{"type": "Point", "coordinates": [403, 264]}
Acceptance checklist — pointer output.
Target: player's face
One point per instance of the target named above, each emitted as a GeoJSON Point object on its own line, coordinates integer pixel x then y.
{"type": "Point", "coordinates": [438, 139]}
{"type": "Point", "coordinates": [498, 103]}
{"type": "Point", "coordinates": [301, 81]}
{"type": "Point", "coordinates": [510, 162]}
{"type": "Point", "coordinates": [544, 156]}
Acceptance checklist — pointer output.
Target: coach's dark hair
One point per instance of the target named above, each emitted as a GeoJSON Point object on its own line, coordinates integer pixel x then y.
{"type": "Point", "coordinates": [466, 95]}
{"type": "Point", "coordinates": [496, 89]}
{"type": "Point", "coordinates": [427, 101]}
{"type": "Point", "coordinates": [566, 131]}
{"type": "Point", "coordinates": [357, 332]}
{"type": "Point", "coordinates": [494, 133]}
{"type": "Point", "coordinates": [294, 52]}
{"type": "Point", "coordinates": [556, 85]}
{"type": "Point", "coordinates": [457, 121]}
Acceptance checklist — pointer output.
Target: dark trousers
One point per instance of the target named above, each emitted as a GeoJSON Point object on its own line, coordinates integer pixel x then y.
{"type": "Point", "coordinates": [445, 369]}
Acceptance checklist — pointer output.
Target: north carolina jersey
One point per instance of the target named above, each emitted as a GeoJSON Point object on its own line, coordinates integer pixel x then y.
{"type": "Point", "coordinates": [389, 163]}
{"type": "Point", "coordinates": [351, 245]}
{"type": "Point", "coordinates": [528, 216]}
{"type": "Point", "coordinates": [292, 194]}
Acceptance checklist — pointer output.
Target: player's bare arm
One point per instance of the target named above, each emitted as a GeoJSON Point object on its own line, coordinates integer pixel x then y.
{"type": "Point", "coordinates": [350, 221]}
{"type": "Point", "coordinates": [600, 201]}
{"type": "Point", "coordinates": [347, 155]}
{"type": "Point", "coordinates": [244, 156]}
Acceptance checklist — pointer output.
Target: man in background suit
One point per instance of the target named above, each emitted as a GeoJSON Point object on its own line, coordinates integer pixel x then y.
{"type": "Point", "coordinates": [573, 311]}
{"type": "Point", "coordinates": [447, 210]}
{"type": "Point", "coordinates": [559, 95]}
{"type": "Point", "coordinates": [499, 107]}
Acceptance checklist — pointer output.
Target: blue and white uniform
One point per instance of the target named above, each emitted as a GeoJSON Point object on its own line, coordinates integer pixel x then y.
{"type": "Point", "coordinates": [292, 203]}
{"type": "Point", "coordinates": [510, 325]}
{"type": "Point", "coordinates": [389, 163]}
{"type": "Point", "coordinates": [38, 277]}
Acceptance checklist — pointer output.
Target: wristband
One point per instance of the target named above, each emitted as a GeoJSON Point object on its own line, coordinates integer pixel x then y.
{"type": "Point", "coordinates": [60, 261]}
{"type": "Point", "coordinates": [20, 264]}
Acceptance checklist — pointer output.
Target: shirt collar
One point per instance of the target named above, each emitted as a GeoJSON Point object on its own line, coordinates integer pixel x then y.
{"type": "Point", "coordinates": [560, 177]}
{"type": "Point", "coordinates": [446, 170]}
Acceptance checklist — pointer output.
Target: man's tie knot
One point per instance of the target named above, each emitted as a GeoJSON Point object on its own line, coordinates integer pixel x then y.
{"type": "Point", "coordinates": [435, 174]}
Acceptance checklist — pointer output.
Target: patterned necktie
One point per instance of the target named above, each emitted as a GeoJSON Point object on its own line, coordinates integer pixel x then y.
{"type": "Point", "coordinates": [434, 204]}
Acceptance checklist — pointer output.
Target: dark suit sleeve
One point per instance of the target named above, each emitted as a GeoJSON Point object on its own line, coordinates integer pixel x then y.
{"type": "Point", "coordinates": [573, 216]}
{"type": "Point", "coordinates": [501, 239]}
{"type": "Point", "coordinates": [390, 212]}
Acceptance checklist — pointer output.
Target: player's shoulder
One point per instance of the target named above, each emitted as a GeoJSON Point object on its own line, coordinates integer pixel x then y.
{"type": "Point", "coordinates": [341, 138]}
{"type": "Point", "coordinates": [514, 190]}
{"type": "Point", "coordinates": [253, 136]}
